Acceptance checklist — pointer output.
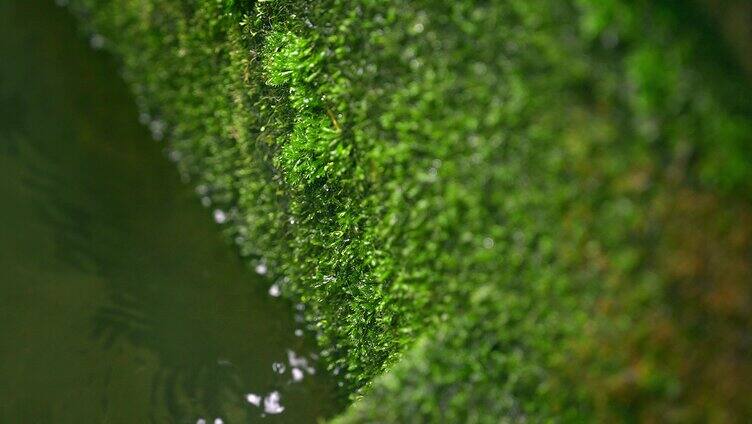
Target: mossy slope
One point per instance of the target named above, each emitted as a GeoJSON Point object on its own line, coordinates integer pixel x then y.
{"type": "Point", "coordinates": [530, 209]}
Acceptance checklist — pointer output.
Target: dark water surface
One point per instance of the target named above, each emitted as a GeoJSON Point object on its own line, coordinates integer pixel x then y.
{"type": "Point", "coordinates": [119, 301]}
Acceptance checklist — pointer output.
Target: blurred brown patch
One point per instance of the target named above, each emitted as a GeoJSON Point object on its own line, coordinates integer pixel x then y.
{"type": "Point", "coordinates": [705, 257]}
{"type": "Point", "coordinates": [735, 20]}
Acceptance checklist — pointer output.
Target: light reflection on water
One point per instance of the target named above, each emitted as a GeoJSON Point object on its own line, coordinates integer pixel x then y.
{"type": "Point", "coordinates": [119, 302]}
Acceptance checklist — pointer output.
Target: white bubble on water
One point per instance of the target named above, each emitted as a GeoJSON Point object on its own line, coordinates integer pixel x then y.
{"type": "Point", "coordinates": [272, 405]}
{"type": "Point", "coordinates": [261, 269]}
{"type": "Point", "coordinates": [274, 290]}
{"type": "Point", "coordinates": [218, 421]}
{"type": "Point", "coordinates": [220, 217]}
{"type": "Point", "coordinates": [253, 399]}
{"type": "Point", "coordinates": [299, 363]}
{"type": "Point", "coordinates": [279, 367]}
{"type": "Point", "coordinates": [295, 360]}
{"type": "Point", "coordinates": [297, 374]}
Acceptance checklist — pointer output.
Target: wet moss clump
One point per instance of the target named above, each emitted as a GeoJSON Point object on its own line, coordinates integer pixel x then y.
{"type": "Point", "coordinates": [530, 209]}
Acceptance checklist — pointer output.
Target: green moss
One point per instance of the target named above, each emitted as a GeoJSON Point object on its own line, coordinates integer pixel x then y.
{"type": "Point", "coordinates": [530, 209]}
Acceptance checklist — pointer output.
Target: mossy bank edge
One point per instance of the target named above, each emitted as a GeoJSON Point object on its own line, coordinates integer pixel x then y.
{"type": "Point", "coordinates": [511, 210]}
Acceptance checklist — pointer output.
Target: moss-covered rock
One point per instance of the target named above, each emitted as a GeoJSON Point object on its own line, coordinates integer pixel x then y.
{"type": "Point", "coordinates": [494, 210]}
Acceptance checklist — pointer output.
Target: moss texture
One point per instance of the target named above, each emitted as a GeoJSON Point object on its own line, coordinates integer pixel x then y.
{"type": "Point", "coordinates": [519, 210]}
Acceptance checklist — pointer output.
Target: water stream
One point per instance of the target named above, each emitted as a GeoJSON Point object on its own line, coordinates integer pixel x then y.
{"type": "Point", "coordinates": [119, 300]}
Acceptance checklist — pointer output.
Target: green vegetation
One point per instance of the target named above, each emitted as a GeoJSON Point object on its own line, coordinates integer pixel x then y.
{"type": "Point", "coordinates": [531, 209]}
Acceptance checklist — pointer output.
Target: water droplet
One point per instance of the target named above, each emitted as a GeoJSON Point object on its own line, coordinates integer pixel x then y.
{"type": "Point", "coordinates": [488, 243]}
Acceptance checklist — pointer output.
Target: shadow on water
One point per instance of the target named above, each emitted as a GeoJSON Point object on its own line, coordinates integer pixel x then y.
{"type": "Point", "coordinates": [119, 302]}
